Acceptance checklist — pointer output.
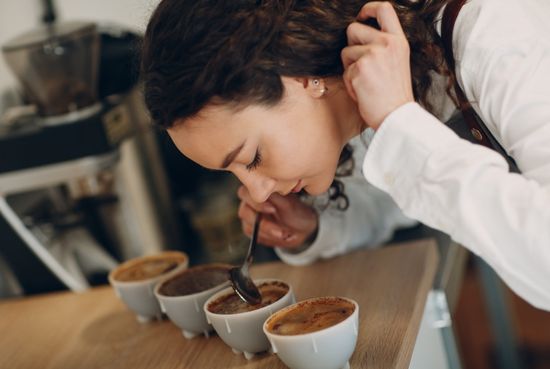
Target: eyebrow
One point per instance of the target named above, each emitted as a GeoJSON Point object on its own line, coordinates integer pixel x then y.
{"type": "Point", "coordinates": [231, 156]}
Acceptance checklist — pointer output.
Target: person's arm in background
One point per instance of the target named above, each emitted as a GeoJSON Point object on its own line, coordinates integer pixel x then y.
{"type": "Point", "coordinates": [463, 189]}
{"type": "Point", "coordinates": [302, 234]}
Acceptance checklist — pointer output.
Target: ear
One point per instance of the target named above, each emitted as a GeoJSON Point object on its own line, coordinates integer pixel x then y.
{"type": "Point", "coordinates": [315, 87]}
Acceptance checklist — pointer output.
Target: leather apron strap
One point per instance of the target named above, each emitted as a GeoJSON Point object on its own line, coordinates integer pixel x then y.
{"type": "Point", "coordinates": [478, 131]}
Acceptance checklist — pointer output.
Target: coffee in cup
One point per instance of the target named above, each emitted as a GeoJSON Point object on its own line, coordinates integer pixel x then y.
{"type": "Point", "coordinates": [149, 267]}
{"type": "Point", "coordinates": [311, 316]}
{"type": "Point", "coordinates": [135, 280]}
{"type": "Point", "coordinates": [196, 279]}
{"type": "Point", "coordinates": [316, 333]}
{"type": "Point", "coordinates": [239, 324]}
{"type": "Point", "coordinates": [233, 304]}
{"type": "Point", "coordinates": [183, 295]}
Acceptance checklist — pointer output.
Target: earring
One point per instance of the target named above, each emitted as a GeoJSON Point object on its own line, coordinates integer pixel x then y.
{"type": "Point", "coordinates": [316, 82]}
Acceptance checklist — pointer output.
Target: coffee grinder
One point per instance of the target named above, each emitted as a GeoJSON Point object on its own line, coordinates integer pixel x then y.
{"type": "Point", "coordinates": [59, 151]}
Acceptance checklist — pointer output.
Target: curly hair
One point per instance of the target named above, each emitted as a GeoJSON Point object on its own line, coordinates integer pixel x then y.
{"type": "Point", "coordinates": [235, 51]}
{"type": "Point", "coordinates": [199, 52]}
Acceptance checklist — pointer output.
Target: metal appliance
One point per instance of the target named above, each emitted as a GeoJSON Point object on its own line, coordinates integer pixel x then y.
{"type": "Point", "coordinates": [80, 188]}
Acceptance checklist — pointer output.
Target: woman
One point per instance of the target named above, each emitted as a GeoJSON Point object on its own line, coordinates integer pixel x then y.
{"type": "Point", "coordinates": [273, 90]}
{"type": "Point", "coordinates": [303, 229]}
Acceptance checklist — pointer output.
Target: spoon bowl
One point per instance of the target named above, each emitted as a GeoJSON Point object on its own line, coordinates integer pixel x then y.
{"type": "Point", "coordinates": [244, 287]}
{"type": "Point", "coordinates": [240, 279]}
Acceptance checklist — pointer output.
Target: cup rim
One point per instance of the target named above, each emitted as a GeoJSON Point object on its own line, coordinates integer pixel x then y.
{"type": "Point", "coordinates": [183, 297]}
{"type": "Point", "coordinates": [129, 263]}
{"type": "Point", "coordinates": [246, 313]}
{"type": "Point", "coordinates": [321, 331]}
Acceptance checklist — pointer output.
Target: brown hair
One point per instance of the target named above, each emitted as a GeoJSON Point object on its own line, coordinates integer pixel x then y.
{"type": "Point", "coordinates": [199, 52]}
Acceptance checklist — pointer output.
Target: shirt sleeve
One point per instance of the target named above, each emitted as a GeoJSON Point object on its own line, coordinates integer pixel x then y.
{"type": "Point", "coordinates": [510, 90]}
{"type": "Point", "coordinates": [467, 191]}
{"type": "Point", "coordinates": [370, 220]}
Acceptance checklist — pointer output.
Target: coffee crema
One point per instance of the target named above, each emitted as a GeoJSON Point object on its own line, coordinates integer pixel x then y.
{"type": "Point", "coordinates": [311, 316]}
{"type": "Point", "coordinates": [196, 279]}
{"type": "Point", "coordinates": [149, 267]}
{"type": "Point", "coordinates": [233, 304]}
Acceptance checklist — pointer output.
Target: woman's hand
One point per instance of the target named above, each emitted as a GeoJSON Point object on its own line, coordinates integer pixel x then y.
{"type": "Point", "coordinates": [287, 221]}
{"type": "Point", "coordinates": [376, 62]}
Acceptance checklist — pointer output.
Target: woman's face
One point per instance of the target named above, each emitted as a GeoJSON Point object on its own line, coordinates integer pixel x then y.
{"type": "Point", "coordinates": [291, 146]}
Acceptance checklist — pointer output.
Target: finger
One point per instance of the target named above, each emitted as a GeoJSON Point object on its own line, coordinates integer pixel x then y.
{"type": "Point", "coordinates": [267, 230]}
{"type": "Point", "coordinates": [274, 229]}
{"type": "Point", "coordinates": [361, 34]}
{"type": "Point", "coordinates": [270, 242]}
{"type": "Point", "coordinates": [290, 243]}
{"type": "Point", "coordinates": [351, 54]}
{"type": "Point", "coordinates": [246, 213]}
{"type": "Point", "coordinates": [263, 237]}
{"type": "Point", "coordinates": [347, 82]}
{"type": "Point", "coordinates": [282, 203]}
{"type": "Point", "coordinates": [269, 227]}
{"type": "Point", "coordinates": [384, 13]}
{"type": "Point", "coordinates": [266, 207]}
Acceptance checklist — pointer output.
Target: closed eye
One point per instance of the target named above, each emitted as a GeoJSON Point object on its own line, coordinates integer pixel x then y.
{"type": "Point", "coordinates": [255, 162]}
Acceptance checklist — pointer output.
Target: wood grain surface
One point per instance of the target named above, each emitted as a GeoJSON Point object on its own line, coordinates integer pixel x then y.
{"type": "Point", "coordinates": [94, 329]}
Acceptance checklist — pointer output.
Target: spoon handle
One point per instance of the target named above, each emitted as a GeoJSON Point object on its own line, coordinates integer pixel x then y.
{"type": "Point", "coordinates": [253, 240]}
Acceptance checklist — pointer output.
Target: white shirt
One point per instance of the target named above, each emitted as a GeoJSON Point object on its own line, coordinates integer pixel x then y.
{"type": "Point", "coordinates": [502, 50]}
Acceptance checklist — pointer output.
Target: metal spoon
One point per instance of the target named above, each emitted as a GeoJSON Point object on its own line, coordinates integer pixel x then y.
{"type": "Point", "coordinates": [240, 277]}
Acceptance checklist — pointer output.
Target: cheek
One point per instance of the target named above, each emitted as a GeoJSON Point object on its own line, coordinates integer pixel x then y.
{"type": "Point", "coordinates": [306, 159]}
{"type": "Point", "coordinates": [289, 159]}
{"type": "Point", "coordinates": [322, 162]}
{"type": "Point", "coordinates": [303, 146]}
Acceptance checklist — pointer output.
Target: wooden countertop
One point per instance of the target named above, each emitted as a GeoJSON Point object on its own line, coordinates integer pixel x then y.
{"type": "Point", "coordinates": [95, 330]}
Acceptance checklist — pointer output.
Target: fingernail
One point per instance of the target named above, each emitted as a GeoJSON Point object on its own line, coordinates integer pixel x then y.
{"type": "Point", "coordinates": [277, 233]}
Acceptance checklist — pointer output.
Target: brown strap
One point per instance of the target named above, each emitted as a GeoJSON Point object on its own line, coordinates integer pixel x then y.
{"type": "Point", "coordinates": [449, 18]}
{"type": "Point", "coordinates": [450, 14]}
{"type": "Point", "coordinates": [478, 129]}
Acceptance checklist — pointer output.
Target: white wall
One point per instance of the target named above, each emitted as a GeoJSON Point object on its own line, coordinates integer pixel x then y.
{"type": "Point", "coordinates": [17, 16]}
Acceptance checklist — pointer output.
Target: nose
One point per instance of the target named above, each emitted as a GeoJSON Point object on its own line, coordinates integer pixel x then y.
{"type": "Point", "coordinates": [260, 187]}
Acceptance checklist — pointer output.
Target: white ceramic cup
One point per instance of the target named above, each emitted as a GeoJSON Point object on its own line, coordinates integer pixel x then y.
{"type": "Point", "coordinates": [139, 295]}
{"type": "Point", "coordinates": [243, 331]}
{"type": "Point", "coordinates": [329, 348]}
{"type": "Point", "coordinates": [187, 311]}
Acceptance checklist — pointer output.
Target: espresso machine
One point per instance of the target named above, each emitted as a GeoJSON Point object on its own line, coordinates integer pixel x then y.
{"type": "Point", "coordinates": [80, 188]}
